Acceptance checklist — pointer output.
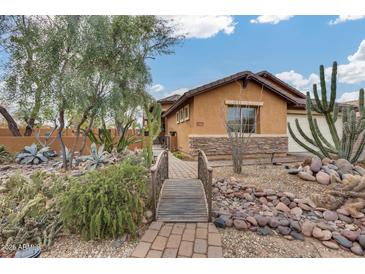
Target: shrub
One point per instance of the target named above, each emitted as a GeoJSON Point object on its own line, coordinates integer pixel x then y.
{"type": "Point", "coordinates": [106, 203]}
{"type": "Point", "coordinates": [178, 155]}
{"type": "Point", "coordinates": [5, 156]}
{"type": "Point", "coordinates": [29, 211]}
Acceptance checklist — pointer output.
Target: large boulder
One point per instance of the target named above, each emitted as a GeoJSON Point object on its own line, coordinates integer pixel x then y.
{"type": "Point", "coordinates": [360, 170]}
{"type": "Point", "coordinates": [316, 164]}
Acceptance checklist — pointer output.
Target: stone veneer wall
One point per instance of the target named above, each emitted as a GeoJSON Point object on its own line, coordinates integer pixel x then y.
{"type": "Point", "coordinates": [214, 146]}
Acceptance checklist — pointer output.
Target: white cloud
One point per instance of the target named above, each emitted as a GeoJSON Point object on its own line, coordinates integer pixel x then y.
{"type": "Point", "coordinates": [157, 88]}
{"type": "Point", "coordinates": [349, 96]}
{"type": "Point", "coordinates": [297, 80]}
{"type": "Point", "coordinates": [202, 26]}
{"type": "Point", "coordinates": [344, 18]}
{"type": "Point", "coordinates": [270, 19]}
{"type": "Point", "coordinates": [354, 71]}
{"type": "Point", "coordinates": [179, 91]}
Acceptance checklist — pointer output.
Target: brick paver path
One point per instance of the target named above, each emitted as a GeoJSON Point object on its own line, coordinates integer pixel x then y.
{"type": "Point", "coordinates": [179, 169]}
{"type": "Point", "coordinates": [180, 240]}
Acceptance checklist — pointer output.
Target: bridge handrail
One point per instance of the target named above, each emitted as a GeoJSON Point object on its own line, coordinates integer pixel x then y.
{"type": "Point", "coordinates": [205, 175]}
{"type": "Point", "coordinates": [159, 173]}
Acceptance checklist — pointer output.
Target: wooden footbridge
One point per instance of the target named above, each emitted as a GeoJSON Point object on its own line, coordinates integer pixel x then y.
{"type": "Point", "coordinates": [181, 199]}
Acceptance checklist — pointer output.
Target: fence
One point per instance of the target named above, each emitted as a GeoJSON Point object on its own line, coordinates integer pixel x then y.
{"type": "Point", "coordinates": [15, 144]}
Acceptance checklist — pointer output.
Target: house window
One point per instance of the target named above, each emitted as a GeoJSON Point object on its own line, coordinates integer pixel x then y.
{"type": "Point", "coordinates": [181, 115]}
{"type": "Point", "coordinates": [177, 117]}
{"type": "Point", "coordinates": [241, 119]}
{"type": "Point", "coordinates": [186, 113]}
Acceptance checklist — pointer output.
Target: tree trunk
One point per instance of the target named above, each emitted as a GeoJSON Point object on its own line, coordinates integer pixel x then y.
{"type": "Point", "coordinates": [86, 133]}
{"type": "Point", "coordinates": [12, 125]}
{"type": "Point", "coordinates": [61, 119]}
{"type": "Point", "coordinates": [29, 128]}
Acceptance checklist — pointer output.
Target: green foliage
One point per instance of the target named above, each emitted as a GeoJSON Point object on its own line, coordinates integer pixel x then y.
{"type": "Point", "coordinates": [353, 127]}
{"type": "Point", "coordinates": [110, 142]}
{"type": "Point", "coordinates": [178, 155]}
{"type": "Point", "coordinates": [5, 156]}
{"type": "Point", "coordinates": [31, 155]}
{"type": "Point", "coordinates": [97, 158]}
{"type": "Point", "coordinates": [29, 210]}
{"type": "Point", "coordinates": [106, 203]}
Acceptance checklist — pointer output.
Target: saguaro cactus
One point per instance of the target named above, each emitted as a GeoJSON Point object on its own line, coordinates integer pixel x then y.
{"type": "Point", "coordinates": [353, 127]}
{"type": "Point", "coordinates": [153, 113]}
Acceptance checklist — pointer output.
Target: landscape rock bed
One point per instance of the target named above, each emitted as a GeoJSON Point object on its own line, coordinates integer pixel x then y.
{"type": "Point", "coordinates": [269, 212]}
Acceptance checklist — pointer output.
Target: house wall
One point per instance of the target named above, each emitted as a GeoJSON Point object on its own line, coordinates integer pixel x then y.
{"type": "Point", "coordinates": [184, 129]}
{"type": "Point", "coordinates": [206, 127]}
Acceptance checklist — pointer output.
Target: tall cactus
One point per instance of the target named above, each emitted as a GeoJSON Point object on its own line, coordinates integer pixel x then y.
{"type": "Point", "coordinates": [153, 114]}
{"type": "Point", "coordinates": [353, 127]}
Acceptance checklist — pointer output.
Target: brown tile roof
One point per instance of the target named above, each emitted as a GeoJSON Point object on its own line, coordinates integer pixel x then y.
{"type": "Point", "coordinates": [170, 99]}
{"type": "Point", "coordinates": [244, 76]}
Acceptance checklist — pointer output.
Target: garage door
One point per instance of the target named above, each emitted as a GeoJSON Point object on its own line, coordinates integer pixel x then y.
{"type": "Point", "coordinates": [293, 146]}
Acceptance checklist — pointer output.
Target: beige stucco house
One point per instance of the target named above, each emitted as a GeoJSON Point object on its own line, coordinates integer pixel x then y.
{"type": "Point", "coordinates": [198, 118]}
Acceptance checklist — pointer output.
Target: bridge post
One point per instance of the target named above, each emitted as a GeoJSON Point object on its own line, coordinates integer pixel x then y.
{"type": "Point", "coordinates": [205, 174]}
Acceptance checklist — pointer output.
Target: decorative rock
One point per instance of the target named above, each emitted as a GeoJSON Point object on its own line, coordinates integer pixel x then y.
{"type": "Point", "coordinates": [229, 223]}
{"type": "Point", "coordinates": [292, 205]}
{"type": "Point", "coordinates": [248, 197]}
{"type": "Point", "coordinates": [289, 195]}
{"type": "Point", "coordinates": [251, 220]}
{"type": "Point", "coordinates": [304, 206]}
{"type": "Point", "coordinates": [306, 176]}
{"type": "Point", "coordinates": [317, 233]}
{"type": "Point", "coordinates": [285, 200]}
{"type": "Point", "coordinates": [297, 235]}
{"type": "Point", "coordinates": [261, 220]}
{"type": "Point", "coordinates": [284, 222]}
{"type": "Point", "coordinates": [240, 224]}
{"type": "Point", "coordinates": [307, 228]}
{"type": "Point", "coordinates": [362, 240]}
{"type": "Point", "coordinates": [293, 171]}
{"type": "Point", "coordinates": [356, 248]}
{"type": "Point", "coordinates": [220, 222]}
{"type": "Point", "coordinates": [351, 235]}
{"type": "Point", "coordinates": [297, 211]}
{"type": "Point", "coordinates": [357, 215]}
{"type": "Point", "coordinates": [342, 240]}
{"type": "Point", "coordinates": [326, 161]}
{"type": "Point", "coordinates": [296, 226]}
{"type": "Point", "coordinates": [149, 214]}
{"type": "Point", "coordinates": [282, 207]}
{"type": "Point", "coordinates": [327, 235]}
{"type": "Point", "coordinates": [274, 222]}
{"type": "Point", "coordinates": [316, 164]}
{"type": "Point", "coordinates": [343, 211]}
{"type": "Point", "coordinates": [360, 170]}
{"type": "Point", "coordinates": [330, 244]}
{"type": "Point", "coordinates": [263, 200]}
{"type": "Point", "coordinates": [264, 231]}
{"type": "Point", "coordinates": [345, 219]}
{"type": "Point", "coordinates": [284, 230]}
{"type": "Point", "coordinates": [329, 215]}
{"type": "Point", "coordinates": [323, 178]}
{"type": "Point", "coordinates": [344, 166]}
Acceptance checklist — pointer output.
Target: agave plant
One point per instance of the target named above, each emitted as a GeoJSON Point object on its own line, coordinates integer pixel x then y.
{"type": "Point", "coordinates": [31, 155]}
{"type": "Point", "coordinates": [97, 158]}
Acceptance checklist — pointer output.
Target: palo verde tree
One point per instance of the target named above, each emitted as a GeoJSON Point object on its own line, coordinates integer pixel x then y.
{"type": "Point", "coordinates": [26, 72]}
{"type": "Point", "coordinates": [353, 127]}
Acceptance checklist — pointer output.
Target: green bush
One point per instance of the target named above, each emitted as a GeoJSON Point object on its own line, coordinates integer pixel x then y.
{"type": "Point", "coordinates": [178, 155]}
{"type": "Point", "coordinates": [106, 203]}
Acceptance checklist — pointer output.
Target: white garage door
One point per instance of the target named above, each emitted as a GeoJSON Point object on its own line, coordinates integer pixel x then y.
{"type": "Point", "coordinates": [293, 146]}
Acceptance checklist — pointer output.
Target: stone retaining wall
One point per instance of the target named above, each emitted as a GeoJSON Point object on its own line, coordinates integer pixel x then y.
{"type": "Point", "coordinates": [213, 146]}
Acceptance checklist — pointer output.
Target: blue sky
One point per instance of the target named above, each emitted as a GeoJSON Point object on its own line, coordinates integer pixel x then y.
{"type": "Point", "coordinates": [292, 47]}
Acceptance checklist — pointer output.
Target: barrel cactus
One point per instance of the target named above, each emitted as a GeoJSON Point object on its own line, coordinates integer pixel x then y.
{"type": "Point", "coordinates": [342, 146]}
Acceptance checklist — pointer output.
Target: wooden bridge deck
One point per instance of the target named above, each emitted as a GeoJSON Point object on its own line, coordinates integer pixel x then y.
{"type": "Point", "coordinates": [182, 200]}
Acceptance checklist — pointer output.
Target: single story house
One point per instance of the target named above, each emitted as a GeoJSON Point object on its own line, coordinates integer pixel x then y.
{"type": "Point", "coordinates": [262, 102]}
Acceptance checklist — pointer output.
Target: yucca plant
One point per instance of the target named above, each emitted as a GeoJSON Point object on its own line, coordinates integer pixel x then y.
{"type": "Point", "coordinates": [31, 155]}
{"type": "Point", "coordinates": [97, 158]}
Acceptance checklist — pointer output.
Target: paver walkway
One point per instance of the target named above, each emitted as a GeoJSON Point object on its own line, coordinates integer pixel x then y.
{"type": "Point", "coordinates": [180, 240]}
{"type": "Point", "coordinates": [179, 169]}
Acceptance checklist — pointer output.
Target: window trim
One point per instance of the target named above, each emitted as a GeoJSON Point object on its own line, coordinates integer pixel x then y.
{"type": "Point", "coordinates": [256, 109]}
{"type": "Point", "coordinates": [177, 117]}
{"type": "Point", "coordinates": [187, 113]}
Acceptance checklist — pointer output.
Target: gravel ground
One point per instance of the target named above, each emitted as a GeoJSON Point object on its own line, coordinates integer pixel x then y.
{"type": "Point", "coordinates": [247, 244]}
{"type": "Point", "coordinates": [72, 246]}
{"type": "Point", "coordinates": [273, 177]}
